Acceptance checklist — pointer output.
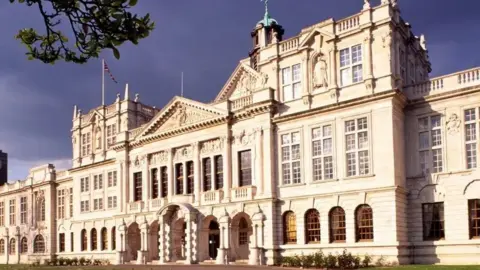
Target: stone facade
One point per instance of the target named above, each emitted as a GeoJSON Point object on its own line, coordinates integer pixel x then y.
{"type": "Point", "coordinates": [333, 139]}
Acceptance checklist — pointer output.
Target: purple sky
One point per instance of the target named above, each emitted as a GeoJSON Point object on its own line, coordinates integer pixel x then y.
{"type": "Point", "coordinates": [203, 38]}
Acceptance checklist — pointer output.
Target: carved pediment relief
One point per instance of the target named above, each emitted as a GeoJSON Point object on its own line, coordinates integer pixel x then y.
{"type": "Point", "coordinates": [243, 81]}
{"type": "Point", "coordinates": [212, 146]}
{"type": "Point", "coordinates": [180, 114]}
{"type": "Point", "coordinates": [185, 152]}
{"type": "Point", "coordinates": [158, 158]}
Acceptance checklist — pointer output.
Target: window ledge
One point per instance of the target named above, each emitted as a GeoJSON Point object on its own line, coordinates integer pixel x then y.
{"type": "Point", "coordinates": [291, 100]}
{"type": "Point", "coordinates": [352, 84]}
{"type": "Point", "coordinates": [324, 181]}
{"type": "Point", "coordinates": [292, 185]}
{"type": "Point", "coordinates": [359, 177]}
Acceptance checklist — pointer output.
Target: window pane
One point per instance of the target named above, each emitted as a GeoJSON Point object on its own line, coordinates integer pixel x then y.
{"type": "Point", "coordinates": [357, 73]}
{"type": "Point", "coordinates": [327, 146]}
{"type": "Point", "coordinates": [317, 169]}
{"type": "Point", "coordinates": [470, 132]}
{"type": "Point", "coordinates": [363, 162]}
{"type": "Point", "coordinates": [344, 57]}
{"type": "Point", "coordinates": [327, 131]}
{"type": "Point", "coordinates": [471, 155]}
{"type": "Point", "coordinates": [436, 121]}
{"type": "Point", "coordinates": [295, 152]}
{"type": "Point", "coordinates": [297, 73]}
{"type": "Point", "coordinates": [296, 137]}
{"type": "Point", "coordinates": [437, 160]}
{"type": "Point", "coordinates": [350, 142]}
{"type": "Point", "coordinates": [316, 133]}
{"type": "Point", "coordinates": [423, 123]}
{"type": "Point", "coordinates": [296, 172]}
{"type": "Point", "coordinates": [470, 115]}
{"type": "Point", "coordinates": [356, 54]}
{"type": "Point", "coordinates": [286, 173]}
{"type": "Point", "coordinates": [436, 137]}
{"type": "Point", "coordinates": [423, 140]}
{"type": "Point", "coordinates": [287, 93]}
{"type": "Point", "coordinates": [350, 126]}
{"type": "Point", "coordinates": [317, 148]}
{"type": "Point", "coordinates": [285, 153]}
{"type": "Point", "coordinates": [285, 139]}
{"type": "Point", "coordinates": [286, 76]}
{"type": "Point", "coordinates": [345, 76]}
{"type": "Point", "coordinates": [328, 167]}
{"type": "Point", "coordinates": [297, 90]}
{"type": "Point", "coordinates": [351, 164]}
{"type": "Point", "coordinates": [362, 140]}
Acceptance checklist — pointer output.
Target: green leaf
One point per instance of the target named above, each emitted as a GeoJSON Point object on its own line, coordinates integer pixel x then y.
{"type": "Point", "coordinates": [116, 53]}
{"type": "Point", "coordinates": [132, 3]}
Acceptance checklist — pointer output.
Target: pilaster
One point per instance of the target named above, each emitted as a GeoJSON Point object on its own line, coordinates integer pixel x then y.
{"type": "Point", "coordinates": [170, 174]}
{"type": "Point", "coordinates": [269, 179]}
{"type": "Point", "coordinates": [259, 160]}
{"type": "Point", "coordinates": [224, 245]}
{"type": "Point", "coordinates": [161, 240]}
{"type": "Point", "coordinates": [227, 167]}
{"type": "Point", "coordinates": [196, 172]}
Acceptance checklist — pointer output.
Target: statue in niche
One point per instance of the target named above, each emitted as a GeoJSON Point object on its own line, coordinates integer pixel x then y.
{"type": "Point", "coordinates": [99, 137]}
{"type": "Point", "coordinates": [320, 72]}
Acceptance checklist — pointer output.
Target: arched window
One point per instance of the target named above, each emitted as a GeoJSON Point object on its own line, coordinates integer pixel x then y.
{"type": "Point", "coordinates": [289, 228]}
{"type": "Point", "coordinates": [337, 225]}
{"type": "Point", "coordinates": [2, 247]}
{"type": "Point", "coordinates": [114, 242]}
{"type": "Point", "coordinates": [93, 239]}
{"type": "Point", "coordinates": [84, 239]}
{"type": "Point", "coordinates": [312, 226]}
{"type": "Point", "coordinates": [24, 246]}
{"type": "Point", "coordinates": [104, 239]}
{"type": "Point", "coordinates": [11, 247]}
{"type": "Point", "coordinates": [39, 244]}
{"type": "Point", "coordinates": [364, 223]}
{"type": "Point", "coordinates": [243, 232]}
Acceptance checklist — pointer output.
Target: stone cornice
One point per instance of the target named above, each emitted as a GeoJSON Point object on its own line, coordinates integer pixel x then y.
{"type": "Point", "coordinates": [93, 165]}
{"type": "Point", "coordinates": [258, 108]}
{"type": "Point", "coordinates": [413, 103]}
{"type": "Point", "coordinates": [338, 106]}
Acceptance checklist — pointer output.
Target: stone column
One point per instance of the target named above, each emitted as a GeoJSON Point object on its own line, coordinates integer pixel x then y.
{"type": "Point", "coordinates": [258, 160]}
{"type": "Point", "coordinates": [256, 244]}
{"type": "Point", "coordinates": [120, 239]}
{"type": "Point", "coordinates": [7, 246]}
{"type": "Point", "coordinates": [17, 244]}
{"type": "Point", "coordinates": [196, 171]}
{"type": "Point", "coordinates": [333, 67]}
{"type": "Point", "coordinates": [170, 174]}
{"type": "Point", "coordinates": [142, 253]}
{"type": "Point", "coordinates": [227, 165]}
{"type": "Point", "coordinates": [223, 250]}
{"type": "Point", "coordinates": [368, 72]}
{"type": "Point", "coordinates": [161, 240]}
{"type": "Point", "coordinates": [188, 240]}
{"type": "Point", "coordinates": [254, 254]}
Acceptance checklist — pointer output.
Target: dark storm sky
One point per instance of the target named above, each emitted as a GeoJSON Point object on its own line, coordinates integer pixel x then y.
{"type": "Point", "coordinates": [203, 38]}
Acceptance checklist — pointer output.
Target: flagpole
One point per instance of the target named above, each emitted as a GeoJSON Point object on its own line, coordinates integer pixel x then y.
{"type": "Point", "coordinates": [103, 82]}
{"type": "Point", "coordinates": [182, 84]}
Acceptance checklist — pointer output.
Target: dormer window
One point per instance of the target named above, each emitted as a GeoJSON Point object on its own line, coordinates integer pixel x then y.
{"type": "Point", "coordinates": [291, 82]}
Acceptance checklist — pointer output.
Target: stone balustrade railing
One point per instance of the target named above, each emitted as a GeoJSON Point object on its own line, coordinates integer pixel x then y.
{"type": "Point", "coordinates": [289, 44]}
{"type": "Point", "coordinates": [243, 193]}
{"type": "Point", "coordinates": [135, 207]}
{"type": "Point", "coordinates": [444, 84]}
{"type": "Point", "coordinates": [242, 102]}
{"type": "Point", "coordinates": [212, 197]}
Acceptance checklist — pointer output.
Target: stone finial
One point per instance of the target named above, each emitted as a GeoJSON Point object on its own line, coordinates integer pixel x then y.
{"type": "Point", "coordinates": [366, 4]}
{"type": "Point", "coordinates": [126, 95]}
{"type": "Point", "coordinates": [118, 98]}
{"type": "Point", "coordinates": [75, 112]}
{"type": "Point", "coordinates": [423, 42]}
{"type": "Point", "coordinates": [137, 97]}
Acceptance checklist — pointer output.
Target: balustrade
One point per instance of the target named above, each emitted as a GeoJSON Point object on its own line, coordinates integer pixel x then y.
{"type": "Point", "coordinates": [243, 193]}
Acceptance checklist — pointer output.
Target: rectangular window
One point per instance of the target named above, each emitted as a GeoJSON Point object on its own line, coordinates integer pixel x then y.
{"type": "Point", "coordinates": [474, 218]}
{"type": "Point", "coordinates": [112, 179]}
{"type": "Point", "coordinates": [471, 137]}
{"type": "Point", "coordinates": [322, 153]}
{"type": "Point", "coordinates": [61, 242]}
{"type": "Point", "coordinates": [351, 67]}
{"type": "Point", "coordinates": [218, 172]}
{"type": "Point", "coordinates": [23, 210]}
{"type": "Point", "coordinates": [71, 202]}
{"type": "Point", "coordinates": [97, 204]}
{"type": "Point", "coordinates": [86, 144]}
{"type": "Point", "coordinates": [207, 174]}
{"type": "Point", "coordinates": [190, 177]}
{"type": "Point", "coordinates": [164, 184]}
{"type": "Point", "coordinates": [291, 158]}
{"type": "Point", "coordinates": [137, 186]}
{"type": "Point", "coordinates": [84, 206]}
{"type": "Point", "coordinates": [2, 214]}
{"type": "Point", "coordinates": [357, 147]}
{"type": "Point", "coordinates": [112, 202]}
{"type": "Point", "coordinates": [245, 166]}
{"type": "Point", "coordinates": [179, 180]}
{"type": "Point", "coordinates": [430, 144]}
{"type": "Point", "coordinates": [111, 135]}
{"type": "Point", "coordinates": [154, 180]}
{"type": "Point", "coordinates": [291, 82]}
{"type": "Point", "coordinates": [98, 182]}
{"type": "Point", "coordinates": [84, 184]}
{"type": "Point", "coordinates": [61, 204]}
{"type": "Point", "coordinates": [12, 212]}
{"type": "Point", "coordinates": [433, 221]}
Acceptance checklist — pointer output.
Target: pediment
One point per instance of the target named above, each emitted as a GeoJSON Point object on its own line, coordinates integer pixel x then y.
{"type": "Point", "coordinates": [310, 37]}
{"type": "Point", "coordinates": [243, 81]}
{"type": "Point", "coordinates": [181, 113]}
{"type": "Point", "coordinates": [93, 117]}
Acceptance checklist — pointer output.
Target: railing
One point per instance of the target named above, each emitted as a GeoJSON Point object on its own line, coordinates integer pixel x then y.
{"type": "Point", "coordinates": [61, 174]}
{"type": "Point", "coordinates": [135, 206]}
{"type": "Point", "coordinates": [444, 84]}
{"type": "Point", "coordinates": [289, 44]}
{"type": "Point", "coordinates": [242, 102]}
{"type": "Point", "coordinates": [243, 193]}
{"type": "Point", "coordinates": [212, 197]}
{"type": "Point", "coordinates": [157, 203]}
{"type": "Point", "coordinates": [348, 23]}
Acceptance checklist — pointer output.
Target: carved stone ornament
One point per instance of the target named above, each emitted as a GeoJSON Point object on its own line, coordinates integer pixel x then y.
{"type": "Point", "coordinates": [158, 158]}
{"type": "Point", "coordinates": [183, 153]}
{"type": "Point", "coordinates": [212, 146]}
{"type": "Point", "coordinates": [249, 82]}
{"type": "Point", "coordinates": [453, 124]}
{"type": "Point", "coordinates": [138, 161]}
{"type": "Point", "coordinates": [244, 139]}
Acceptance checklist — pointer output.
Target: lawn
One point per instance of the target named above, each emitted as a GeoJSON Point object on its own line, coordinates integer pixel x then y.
{"type": "Point", "coordinates": [433, 267]}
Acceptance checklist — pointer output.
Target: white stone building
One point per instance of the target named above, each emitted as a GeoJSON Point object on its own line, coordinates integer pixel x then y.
{"type": "Point", "coordinates": [335, 138]}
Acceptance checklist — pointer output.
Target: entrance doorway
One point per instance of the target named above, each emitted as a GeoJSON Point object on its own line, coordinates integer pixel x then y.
{"type": "Point", "coordinates": [213, 239]}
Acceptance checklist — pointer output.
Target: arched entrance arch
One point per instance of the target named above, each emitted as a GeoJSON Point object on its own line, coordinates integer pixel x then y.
{"type": "Point", "coordinates": [241, 232]}
{"type": "Point", "coordinates": [153, 239]}
{"type": "Point", "coordinates": [177, 233]}
{"type": "Point", "coordinates": [133, 242]}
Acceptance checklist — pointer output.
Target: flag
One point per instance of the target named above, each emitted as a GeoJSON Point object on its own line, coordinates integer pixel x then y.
{"type": "Point", "coordinates": [105, 67]}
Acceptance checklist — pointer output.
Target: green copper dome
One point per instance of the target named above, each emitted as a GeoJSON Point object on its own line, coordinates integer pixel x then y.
{"type": "Point", "coordinates": [267, 20]}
